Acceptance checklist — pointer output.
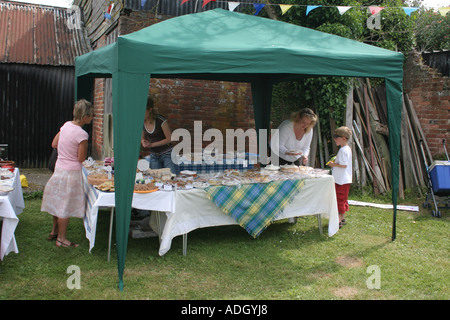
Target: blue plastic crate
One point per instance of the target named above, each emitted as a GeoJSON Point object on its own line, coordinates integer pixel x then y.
{"type": "Point", "coordinates": [440, 177]}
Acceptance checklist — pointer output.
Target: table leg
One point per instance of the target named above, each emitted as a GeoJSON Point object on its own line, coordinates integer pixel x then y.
{"type": "Point", "coordinates": [111, 220]}
{"type": "Point", "coordinates": [184, 244]}
{"type": "Point", "coordinates": [158, 224]}
{"type": "Point", "coordinates": [319, 220]}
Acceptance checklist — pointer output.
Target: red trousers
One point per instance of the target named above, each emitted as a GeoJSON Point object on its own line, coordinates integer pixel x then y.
{"type": "Point", "coordinates": [342, 191]}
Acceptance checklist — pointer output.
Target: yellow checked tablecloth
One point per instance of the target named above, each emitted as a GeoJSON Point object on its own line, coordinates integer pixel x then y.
{"type": "Point", "coordinates": [254, 206]}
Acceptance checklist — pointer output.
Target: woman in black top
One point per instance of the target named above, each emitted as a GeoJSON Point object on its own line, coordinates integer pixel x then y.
{"type": "Point", "coordinates": [156, 136]}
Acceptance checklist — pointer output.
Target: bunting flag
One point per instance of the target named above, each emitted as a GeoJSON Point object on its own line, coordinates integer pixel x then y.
{"type": "Point", "coordinates": [443, 11]}
{"type": "Point", "coordinates": [205, 2]}
{"type": "Point", "coordinates": [284, 8]}
{"type": "Point", "coordinates": [107, 14]}
{"type": "Point", "coordinates": [232, 5]}
{"type": "Point", "coordinates": [343, 9]}
{"type": "Point", "coordinates": [408, 11]}
{"type": "Point", "coordinates": [375, 10]}
{"type": "Point", "coordinates": [258, 7]}
{"type": "Point", "coordinates": [310, 8]}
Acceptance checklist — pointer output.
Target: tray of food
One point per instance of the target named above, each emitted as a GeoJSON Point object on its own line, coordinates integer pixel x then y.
{"type": "Point", "coordinates": [107, 186]}
{"type": "Point", "coordinates": [145, 187]}
{"type": "Point", "coordinates": [96, 179]}
{"type": "Point", "coordinates": [5, 189]}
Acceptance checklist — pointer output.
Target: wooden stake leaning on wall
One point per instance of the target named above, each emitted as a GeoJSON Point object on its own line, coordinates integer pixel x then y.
{"type": "Point", "coordinates": [380, 146]}
{"type": "Point", "coordinates": [356, 130]}
{"type": "Point", "coordinates": [356, 171]}
{"type": "Point", "coordinates": [409, 168]}
{"type": "Point", "coordinates": [401, 188]}
{"type": "Point", "coordinates": [379, 95]}
{"type": "Point", "coordinates": [415, 123]}
{"type": "Point", "coordinates": [320, 145]}
{"type": "Point", "coordinates": [372, 158]}
{"type": "Point", "coordinates": [371, 172]}
{"type": "Point", "coordinates": [357, 122]}
{"type": "Point", "coordinates": [349, 124]}
{"type": "Point", "coordinates": [416, 156]}
{"type": "Point", "coordinates": [418, 128]}
{"type": "Point", "coordinates": [349, 108]}
{"type": "Point", "coordinates": [361, 151]}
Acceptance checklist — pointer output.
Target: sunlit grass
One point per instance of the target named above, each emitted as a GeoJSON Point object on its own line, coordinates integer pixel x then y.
{"type": "Point", "coordinates": [287, 261]}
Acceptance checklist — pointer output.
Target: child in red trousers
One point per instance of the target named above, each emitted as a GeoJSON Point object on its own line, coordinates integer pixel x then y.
{"type": "Point", "coordinates": [342, 170]}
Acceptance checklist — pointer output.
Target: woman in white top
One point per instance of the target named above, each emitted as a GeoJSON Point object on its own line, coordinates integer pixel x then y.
{"type": "Point", "coordinates": [291, 143]}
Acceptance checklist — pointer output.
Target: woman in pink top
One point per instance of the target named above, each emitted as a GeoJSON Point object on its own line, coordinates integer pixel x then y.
{"type": "Point", "coordinates": [64, 194]}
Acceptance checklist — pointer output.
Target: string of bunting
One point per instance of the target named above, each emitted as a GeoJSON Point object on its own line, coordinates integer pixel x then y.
{"type": "Point", "coordinates": [342, 9]}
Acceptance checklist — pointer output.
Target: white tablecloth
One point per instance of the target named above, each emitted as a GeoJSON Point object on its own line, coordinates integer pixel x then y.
{"type": "Point", "coordinates": [194, 210]}
{"type": "Point", "coordinates": [11, 205]}
{"type": "Point", "coordinates": [158, 201]}
{"type": "Point", "coordinates": [187, 210]}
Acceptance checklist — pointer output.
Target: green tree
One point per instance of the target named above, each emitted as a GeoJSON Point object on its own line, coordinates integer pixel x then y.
{"type": "Point", "coordinates": [396, 32]}
{"type": "Point", "coordinates": [327, 95]}
{"type": "Point", "coordinates": [431, 30]}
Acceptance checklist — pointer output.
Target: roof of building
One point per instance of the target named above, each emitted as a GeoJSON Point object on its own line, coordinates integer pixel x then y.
{"type": "Point", "coordinates": [40, 35]}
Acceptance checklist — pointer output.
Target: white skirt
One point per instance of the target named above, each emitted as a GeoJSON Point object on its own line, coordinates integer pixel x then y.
{"type": "Point", "coordinates": [64, 194]}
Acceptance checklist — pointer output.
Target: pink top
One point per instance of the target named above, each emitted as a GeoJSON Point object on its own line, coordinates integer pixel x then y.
{"type": "Point", "coordinates": [70, 137]}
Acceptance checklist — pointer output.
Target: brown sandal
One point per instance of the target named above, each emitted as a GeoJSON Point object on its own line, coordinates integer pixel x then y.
{"type": "Point", "coordinates": [62, 244]}
{"type": "Point", "coordinates": [52, 237]}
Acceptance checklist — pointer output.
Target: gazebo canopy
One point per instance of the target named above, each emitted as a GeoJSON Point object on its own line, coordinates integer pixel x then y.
{"type": "Point", "coordinates": [224, 45]}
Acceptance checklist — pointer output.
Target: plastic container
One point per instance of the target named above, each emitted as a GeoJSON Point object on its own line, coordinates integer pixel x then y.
{"type": "Point", "coordinates": [440, 177]}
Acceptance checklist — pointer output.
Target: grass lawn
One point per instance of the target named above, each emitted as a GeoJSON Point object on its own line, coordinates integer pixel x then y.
{"type": "Point", "coordinates": [287, 261]}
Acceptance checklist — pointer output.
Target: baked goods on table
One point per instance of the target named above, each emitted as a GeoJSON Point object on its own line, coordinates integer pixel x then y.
{"type": "Point", "coordinates": [161, 179]}
{"type": "Point", "coordinates": [145, 187]}
{"type": "Point", "coordinates": [107, 186]}
{"type": "Point", "coordinates": [97, 178]}
{"type": "Point", "coordinates": [289, 168]}
{"type": "Point", "coordinates": [6, 174]}
{"type": "Point", "coordinates": [163, 174]}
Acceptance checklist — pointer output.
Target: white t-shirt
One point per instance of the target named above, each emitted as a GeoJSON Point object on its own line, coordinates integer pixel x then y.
{"type": "Point", "coordinates": [344, 157]}
{"type": "Point", "coordinates": [285, 141]}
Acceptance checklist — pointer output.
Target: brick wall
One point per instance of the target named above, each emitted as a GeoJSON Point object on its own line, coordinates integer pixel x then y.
{"type": "Point", "coordinates": [97, 122]}
{"type": "Point", "coordinates": [429, 92]}
{"type": "Point", "coordinates": [218, 104]}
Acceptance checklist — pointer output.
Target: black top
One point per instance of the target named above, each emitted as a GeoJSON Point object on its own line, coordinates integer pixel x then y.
{"type": "Point", "coordinates": [157, 135]}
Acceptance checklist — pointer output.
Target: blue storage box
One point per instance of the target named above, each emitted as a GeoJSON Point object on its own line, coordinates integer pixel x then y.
{"type": "Point", "coordinates": [440, 177]}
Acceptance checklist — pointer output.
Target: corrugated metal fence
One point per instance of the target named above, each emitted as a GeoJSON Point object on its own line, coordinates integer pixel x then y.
{"type": "Point", "coordinates": [35, 101]}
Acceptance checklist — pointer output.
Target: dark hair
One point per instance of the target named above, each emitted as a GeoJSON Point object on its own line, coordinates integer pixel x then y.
{"type": "Point", "coordinates": [150, 105]}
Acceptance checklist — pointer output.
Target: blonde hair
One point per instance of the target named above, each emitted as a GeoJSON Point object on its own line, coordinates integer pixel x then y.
{"type": "Point", "coordinates": [82, 109]}
{"type": "Point", "coordinates": [307, 113]}
{"type": "Point", "coordinates": [343, 132]}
